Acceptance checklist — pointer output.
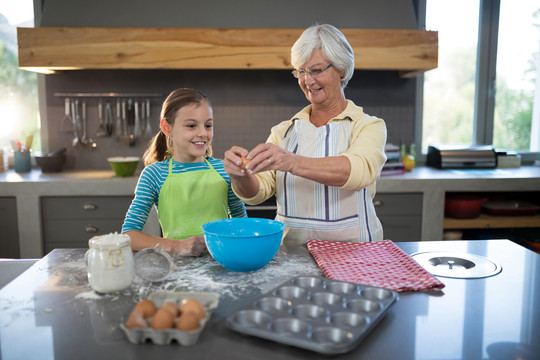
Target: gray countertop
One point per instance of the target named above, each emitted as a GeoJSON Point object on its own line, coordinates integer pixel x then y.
{"type": "Point", "coordinates": [50, 312]}
{"type": "Point", "coordinates": [430, 182]}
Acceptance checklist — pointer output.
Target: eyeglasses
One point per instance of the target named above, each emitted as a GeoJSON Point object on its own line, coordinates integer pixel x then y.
{"type": "Point", "coordinates": [313, 72]}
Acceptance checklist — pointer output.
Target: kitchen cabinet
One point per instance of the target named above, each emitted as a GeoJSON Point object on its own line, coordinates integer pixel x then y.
{"type": "Point", "coordinates": [427, 185]}
{"type": "Point", "coordinates": [410, 52]}
{"type": "Point", "coordinates": [9, 244]}
{"type": "Point", "coordinates": [400, 215]}
{"type": "Point", "coordinates": [69, 222]}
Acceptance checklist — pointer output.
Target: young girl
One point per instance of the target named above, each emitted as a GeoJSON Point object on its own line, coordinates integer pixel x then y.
{"type": "Point", "coordinates": [188, 186]}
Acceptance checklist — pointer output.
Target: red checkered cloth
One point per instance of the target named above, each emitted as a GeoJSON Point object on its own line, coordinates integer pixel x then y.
{"type": "Point", "coordinates": [381, 264]}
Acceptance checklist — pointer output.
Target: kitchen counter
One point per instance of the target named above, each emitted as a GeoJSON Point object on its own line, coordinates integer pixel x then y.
{"type": "Point", "coordinates": [430, 182]}
{"type": "Point", "coordinates": [50, 311]}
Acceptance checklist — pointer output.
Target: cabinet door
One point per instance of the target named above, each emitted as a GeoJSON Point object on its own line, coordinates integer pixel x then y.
{"type": "Point", "coordinates": [69, 222]}
{"type": "Point", "coordinates": [85, 207]}
{"type": "Point", "coordinates": [9, 244]}
{"type": "Point", "coordinates": [400, 215]}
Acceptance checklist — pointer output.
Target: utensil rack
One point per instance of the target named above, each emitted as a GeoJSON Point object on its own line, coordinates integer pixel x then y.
{"type": "Point", "coordinates": [131, 120]}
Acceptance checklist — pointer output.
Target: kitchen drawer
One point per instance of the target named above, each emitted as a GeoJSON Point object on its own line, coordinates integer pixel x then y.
{"type": "Point", "coordinates": [94, 207]}
{"type": "Point", "coordinates": [398, 204]}
{"type": "Point", "coordinates": [9, 244]}
{"type": "Point", "coordinates": [402, 228]}
{"type": "Point", "coordinates": [400, 215]}
{"type": "Point", "coordinates": [79, 231]}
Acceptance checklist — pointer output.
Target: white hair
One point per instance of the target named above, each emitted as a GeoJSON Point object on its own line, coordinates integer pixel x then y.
{"type": "Point", "coordinates": [333, 44]}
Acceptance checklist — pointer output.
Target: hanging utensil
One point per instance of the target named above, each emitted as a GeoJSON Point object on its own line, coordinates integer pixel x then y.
{"type": "Point", "coordinates": [124, 118]}
{"type": "Point", "coordinates": [118, 128]}
{"type": "Point", "coordinates": [109, 119]}
{"type": "Point", "coordinates": [131, 123]}
{"type": "Point", "coordinates": [148, 129]}
{"type": "Point", "coordinates": [75, 111]}
{"type": "Point", "coordinates": [67, 117]}
{"type": "Point", "coordinates": [137, 121]}
{"type": "Point", "coordinates": [101, 131]}
{"type": "Point", "coordinates": [89, 142]}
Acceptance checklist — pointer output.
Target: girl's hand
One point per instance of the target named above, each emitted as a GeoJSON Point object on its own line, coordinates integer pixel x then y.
{"type": "Point", "coordinates": [191, 246]}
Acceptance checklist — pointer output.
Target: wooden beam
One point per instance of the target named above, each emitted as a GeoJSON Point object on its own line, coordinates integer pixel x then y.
{"type": "Point", "coordinates": [63, 48]}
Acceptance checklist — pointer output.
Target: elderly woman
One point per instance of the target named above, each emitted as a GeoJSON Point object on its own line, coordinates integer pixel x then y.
{"type": "Point", "coordinates": [322, 164]}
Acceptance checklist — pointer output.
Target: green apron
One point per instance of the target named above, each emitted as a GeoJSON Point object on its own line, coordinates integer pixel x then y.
{"type": "Point", "coordinates": [190, 199]}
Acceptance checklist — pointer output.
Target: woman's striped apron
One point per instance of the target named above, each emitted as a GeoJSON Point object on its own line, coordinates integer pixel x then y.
{"type": "Point", "coordinates": [315, 211]}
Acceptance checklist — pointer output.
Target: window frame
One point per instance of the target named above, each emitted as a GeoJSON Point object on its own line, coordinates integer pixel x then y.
{"type": "Point", "coordinates": [484, 104]}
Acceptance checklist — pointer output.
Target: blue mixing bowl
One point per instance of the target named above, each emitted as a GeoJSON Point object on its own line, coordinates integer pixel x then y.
{"type": "Point", "coordinates": [243, 244]}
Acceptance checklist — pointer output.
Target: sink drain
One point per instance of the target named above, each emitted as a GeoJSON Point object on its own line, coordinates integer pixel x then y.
{"type": "Point", "coordinates": [457, 265]}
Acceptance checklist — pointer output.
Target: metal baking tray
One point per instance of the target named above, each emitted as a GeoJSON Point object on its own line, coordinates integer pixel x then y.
{"type": "Point", "coordinates": [315, 313]}
{"type": "Point", "coordinates": [208, 300]}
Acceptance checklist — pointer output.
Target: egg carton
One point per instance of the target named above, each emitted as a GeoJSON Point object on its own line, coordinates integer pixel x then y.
{"type": "Point", "coordinates": [315, 313]}
{"type": "Point", "coordinates": [208, 300]}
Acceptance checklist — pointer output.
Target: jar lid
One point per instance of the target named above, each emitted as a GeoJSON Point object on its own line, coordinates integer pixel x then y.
{"type": "Point", "coordinates": [113, 240]}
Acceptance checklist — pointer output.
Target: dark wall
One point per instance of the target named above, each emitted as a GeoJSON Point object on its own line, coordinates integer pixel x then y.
{"type": "Point", "coordinates": [247, 103]}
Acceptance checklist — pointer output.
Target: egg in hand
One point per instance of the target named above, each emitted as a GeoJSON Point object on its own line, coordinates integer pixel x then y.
{"type": "Point", "coordinates": [245, 161]}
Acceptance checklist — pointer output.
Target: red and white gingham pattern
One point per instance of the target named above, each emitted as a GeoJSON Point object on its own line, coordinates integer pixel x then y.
{"type": "Point", "coordinates": [380, 264]}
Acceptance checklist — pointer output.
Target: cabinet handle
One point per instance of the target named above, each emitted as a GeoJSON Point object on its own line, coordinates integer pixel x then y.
{"type": "Point", "coordinates": [378, 203]}
{"type": "Point", "coordinates": [89, 206]}
{"type": "Point", "coordinates": [91, 229]}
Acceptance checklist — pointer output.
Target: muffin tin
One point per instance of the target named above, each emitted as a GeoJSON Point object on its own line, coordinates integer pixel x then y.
{"type": "Point", "coordinates": [315, 313]}
{"type": "Point", "coordinates": [165, 337]}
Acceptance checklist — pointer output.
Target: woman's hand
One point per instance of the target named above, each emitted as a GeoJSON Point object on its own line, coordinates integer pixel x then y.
{"type": "Point", "coordinates": [191, 246]}
{"type": "Point", "coordinates": [331, 170]}
{"type": "Point", "coordinates": [268, 156]}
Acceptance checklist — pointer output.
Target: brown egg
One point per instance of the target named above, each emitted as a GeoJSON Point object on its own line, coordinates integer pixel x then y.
{"type": "Point", "coordinates": [162, 320]}
{"type": "Point", "coordinates": [146, 307]}
{"type": "Point", "coordinates": [136, 320]}
{"type": "Point", "coordinates": [171, 307]}
{"type": "Point", "coordinates": [194, 306]}
{"type": "Point", "coordinates": [245, 161]}
{"type": "Point", "coordinates": [188, 321]}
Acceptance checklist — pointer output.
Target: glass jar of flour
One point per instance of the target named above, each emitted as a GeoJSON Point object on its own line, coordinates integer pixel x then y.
{"type": "Point", "coordinates": [110, 263]}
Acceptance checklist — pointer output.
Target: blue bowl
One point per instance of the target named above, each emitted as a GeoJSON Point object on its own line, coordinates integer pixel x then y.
{"type": "Point", "coordinates": [243, 244]}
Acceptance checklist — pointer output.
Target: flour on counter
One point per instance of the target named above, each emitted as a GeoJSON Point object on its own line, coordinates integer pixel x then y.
{"type": "Point", "coordinates": [88, 295]}
{"type": "Point", "coordinates": [206, 274]}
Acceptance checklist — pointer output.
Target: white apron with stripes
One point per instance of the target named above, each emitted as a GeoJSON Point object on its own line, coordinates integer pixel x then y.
{"type": "Point", "coordinates": [311, 210]}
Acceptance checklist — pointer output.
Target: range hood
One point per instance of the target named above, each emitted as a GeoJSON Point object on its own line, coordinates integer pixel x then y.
{"type": "Point", "coordinates": [50, 49]}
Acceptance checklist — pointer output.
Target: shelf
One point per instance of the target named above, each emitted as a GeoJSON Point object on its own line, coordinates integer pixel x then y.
{"type": "Point", "coordinates": [50, 49]}
{"type": "Point", "coordinates": [485, 221]}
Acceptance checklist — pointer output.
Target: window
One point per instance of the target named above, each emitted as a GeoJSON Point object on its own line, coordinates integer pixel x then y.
{"type": "Point", "coordinates": [449, 90]}
{"type": "Point", "coordinates": [469, 100]}
{"type": "Point", "coordinates": [517, 72]}
{"type": "Point", "coordinates": [19, 115]}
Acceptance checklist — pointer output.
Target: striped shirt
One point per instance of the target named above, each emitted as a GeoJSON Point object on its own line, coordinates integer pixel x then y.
{"type": "Point", "coordinates": [151, 180]}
